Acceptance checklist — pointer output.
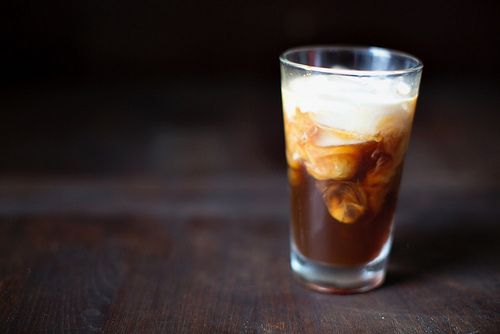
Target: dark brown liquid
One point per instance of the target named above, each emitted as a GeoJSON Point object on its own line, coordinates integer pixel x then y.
{"type": "Point", "coordinates": [320, 237]}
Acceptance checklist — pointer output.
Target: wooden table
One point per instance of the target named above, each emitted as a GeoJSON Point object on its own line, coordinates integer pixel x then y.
{"type": "Point", "coordinates": [183, 227]}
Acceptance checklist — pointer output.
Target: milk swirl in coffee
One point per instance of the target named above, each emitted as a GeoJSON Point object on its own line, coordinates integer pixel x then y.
{"type": "Point", "coordinates": [346, 138]}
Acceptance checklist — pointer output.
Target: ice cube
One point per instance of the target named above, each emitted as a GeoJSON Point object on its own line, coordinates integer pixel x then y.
{"type": "Point", "coordinates": [345, 201]}
{"type": "Point", "coordinates": [395, 131]}
{"type": "Point", "coordinates": [335, 163]}
{"type": "Point", "coordinates": [298, 130]}
{"type": "Point", "coordinates": [377, 182]}
{"type": "Point", "coordinates": [334, 137]}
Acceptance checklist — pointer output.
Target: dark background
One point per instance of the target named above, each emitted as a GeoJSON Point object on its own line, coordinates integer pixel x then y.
{"type": "Point", "coordinates": [139, 87]}
{"type": "Point", "coordinates": [136, 39]}
{"type": "Point", "coordinates": [142, 169]}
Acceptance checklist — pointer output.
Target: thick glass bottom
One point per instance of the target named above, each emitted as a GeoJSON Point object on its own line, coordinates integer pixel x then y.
{"type": "Point", "coordinates": [327, 278]}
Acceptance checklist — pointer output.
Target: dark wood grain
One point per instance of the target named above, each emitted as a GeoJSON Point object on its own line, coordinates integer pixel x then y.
{"type": "Point", "coordinates": [206, 267]}
{"type": "Point", "coordinates": [201, 245]}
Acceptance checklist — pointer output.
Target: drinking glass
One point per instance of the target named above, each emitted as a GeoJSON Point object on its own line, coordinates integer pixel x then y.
{"type": "Point", "coordinates": [348, 113]}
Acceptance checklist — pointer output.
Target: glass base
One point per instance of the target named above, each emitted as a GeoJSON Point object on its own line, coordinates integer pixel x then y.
{"type": "Point", "coordinates": [340, 280]}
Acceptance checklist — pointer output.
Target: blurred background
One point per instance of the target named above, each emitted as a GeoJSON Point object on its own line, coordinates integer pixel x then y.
{"type": "Point", "coordinates": [168, 89]}
{"type": "Point", "coordinates": [142, 172]}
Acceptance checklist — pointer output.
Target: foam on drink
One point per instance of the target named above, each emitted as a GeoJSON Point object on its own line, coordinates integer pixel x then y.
{"type": "Point", "coordinates": [356, 105]}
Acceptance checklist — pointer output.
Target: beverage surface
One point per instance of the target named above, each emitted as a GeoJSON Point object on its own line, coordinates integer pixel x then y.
{"type": "Point", "coordinates": [346, 138]}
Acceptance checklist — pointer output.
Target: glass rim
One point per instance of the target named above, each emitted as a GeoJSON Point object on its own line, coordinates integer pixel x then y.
{"type": "Point", "coordinates": [351, 72]}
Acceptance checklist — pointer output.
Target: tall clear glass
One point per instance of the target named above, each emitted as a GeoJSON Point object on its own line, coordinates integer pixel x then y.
{"type": "Point", "coordinates": [348, 113]}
